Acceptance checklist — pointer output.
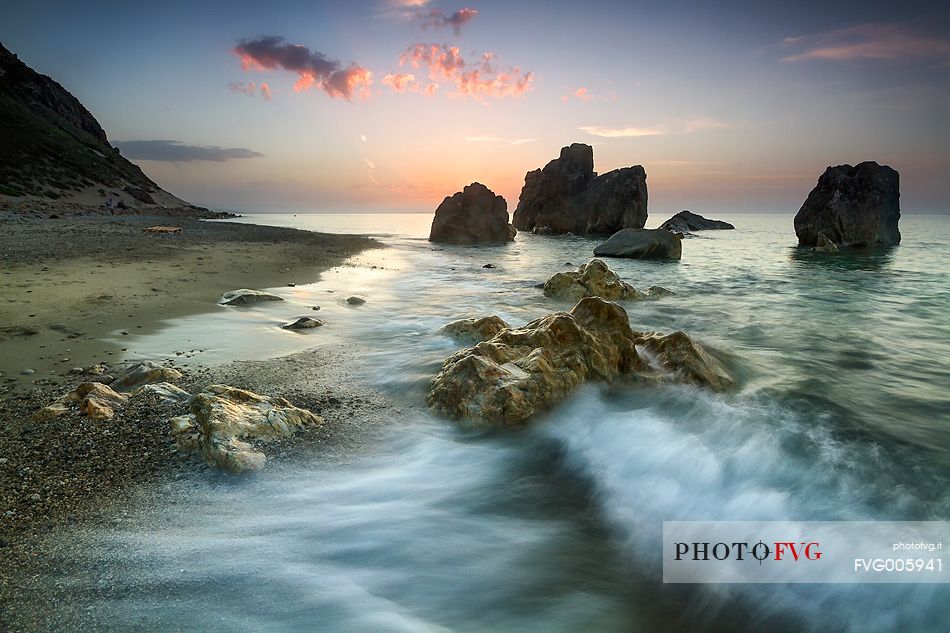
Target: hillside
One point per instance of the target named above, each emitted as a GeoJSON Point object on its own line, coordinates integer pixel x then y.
{"type": "Point", "coordinates": [52, 147]}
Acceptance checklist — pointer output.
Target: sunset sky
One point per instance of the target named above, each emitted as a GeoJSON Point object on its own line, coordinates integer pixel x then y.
{"type": "Point", "coordinates": [392, 105]}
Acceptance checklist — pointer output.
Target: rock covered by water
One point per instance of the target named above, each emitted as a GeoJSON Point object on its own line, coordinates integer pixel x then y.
{"type": "Point", "coordinates": [521, 371]}
{"type": "Point", "coordinates": [220, 418]}
{"type": "Point", "coordinates": [472, 216]}
{"type": "Point", "coordinates": [595, 279]}
{"type": "Point", "coordinates": [642, 244]}
{"type": "Point", "coordinates": [567, 196]}
{"type": "Point", "coordinates": [852, 206]}
{"type": "Point", "coordinates": [687, 221]}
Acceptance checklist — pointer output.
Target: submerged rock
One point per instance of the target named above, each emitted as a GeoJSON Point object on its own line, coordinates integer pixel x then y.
{"type": "Point", "coordinates": [853, 206]}
{"type": "Point", "coordinates": [566, 196]}
{"type": "Point", "coordinates": [518, 372]}
{"type": "Point", "coordinates": [471, 216]}
{"type": "Point", "coordinates": [475, 329]}
{"type": "Point", "coordinates": [143, 373]}
{"type": "Point", "coordinates": [221, 417]}
{"type": "Point", "coordinates": [642, 244]}
{"type": "Point", "coordinates": [593, 279]}
{"type": "Point", "coordinates": [246, 297]}
{"type": "Point", "coordinates": [686, 221]}
{"type": "Point", "coordinates": [355, 300]}
{"type": "Point", "coordinates": [303, 323]}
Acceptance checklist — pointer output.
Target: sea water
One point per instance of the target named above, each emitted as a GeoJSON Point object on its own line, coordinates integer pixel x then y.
{"type": "Point", "coordinates": [842, 413]}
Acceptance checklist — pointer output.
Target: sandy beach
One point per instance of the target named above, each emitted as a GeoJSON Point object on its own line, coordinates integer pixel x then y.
{"type": "Point", "coordinates": [71, 282]}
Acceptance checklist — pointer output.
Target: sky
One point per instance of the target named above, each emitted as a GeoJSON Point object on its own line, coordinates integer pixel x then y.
{"type": "Point", "coordinates": [391, 105]}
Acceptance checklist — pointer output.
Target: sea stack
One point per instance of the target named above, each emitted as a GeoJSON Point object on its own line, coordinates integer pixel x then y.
{"type": "Point", "coordinates": [852, 206]}
{"type": "Point", "coordinates": [474, 215]}
{"type": "Point", "coordinates": [567, 196]}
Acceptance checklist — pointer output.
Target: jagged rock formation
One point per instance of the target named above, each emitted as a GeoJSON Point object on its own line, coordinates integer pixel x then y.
{"type": "Point", "coordinates": [222, 417]}
{"type": "Point", "coordinates": [51, 146]}
{"type": "Point", "coordinates": [472, 216]}
{"type": "Point", "coordinates": [642, 244]}
{"type": "Point", "coordinates": [853, 206]}
{"type": "Point", "coordinates": [595, 279]}
{"type": "Point", "coordinates": [519, 372]}
{"type": "Point", "coordinates": [687, 221]}
{"type": "Point", "coordinates": [568, 197]}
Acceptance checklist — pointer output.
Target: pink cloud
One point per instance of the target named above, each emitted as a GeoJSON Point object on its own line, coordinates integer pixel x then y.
{"type": "Point", "coordinates": [443, 61]}
{"type": "Point", "coordinates": [479, 80]}
{"type": "Point", "coordinates": [436, 18]}
{"type": "Point", "coordinates": [250, 88]}
{"type": "Point", "coordinates": [868, 42]}
{"type": "Point", "coordinates": [401, 82]}
{"type": "Point", "coordinates": [313, 69]}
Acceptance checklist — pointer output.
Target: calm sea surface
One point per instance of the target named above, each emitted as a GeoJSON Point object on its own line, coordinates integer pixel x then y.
{"type": "Point", "coordinates": [843, 413]}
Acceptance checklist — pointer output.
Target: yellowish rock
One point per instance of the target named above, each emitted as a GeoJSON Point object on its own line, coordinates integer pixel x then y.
{"type": "Point", "coordinates": [518, 372]}
{"type": "Point", "coordinates": [475, 329]}
{"type": "Point", "coordinates": [95, 400]}
{"type": "Point", "coordinates": [222, 417]}
{"type": "Point", "coordinates": [595, 279]}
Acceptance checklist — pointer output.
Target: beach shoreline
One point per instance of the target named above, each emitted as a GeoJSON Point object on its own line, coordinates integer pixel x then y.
{"type": "Point", "coordinates": [72, 286]}
{"type": "Point", "coordinates": [70, 283]}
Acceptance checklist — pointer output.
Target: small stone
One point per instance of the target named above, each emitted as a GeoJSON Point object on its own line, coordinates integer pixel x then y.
{"type": "Point", "coordinates": [35, 497]}
{"type": "Point", "coordinates": [355, 300]}
{"type": "Point", "coordinates": [488, 265]}
{"type": "Point", "coordinates": [124, 332]}
{"type": "Point", "coordinates": [303, 323]}
{"type": "Point", "coordinates": [27, 372]}
{"type": "Point", "coordinates": [313, 308]}
{"type": "Point", "coordinates": [292, 285]}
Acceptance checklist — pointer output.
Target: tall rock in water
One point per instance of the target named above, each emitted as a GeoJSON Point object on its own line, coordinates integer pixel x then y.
{"type": "Point", "coordinates": [853, 206]}
{"type": "Point", "coordinates": [567, 196]}
{"type": "Point", "coordinates": [472, 216]}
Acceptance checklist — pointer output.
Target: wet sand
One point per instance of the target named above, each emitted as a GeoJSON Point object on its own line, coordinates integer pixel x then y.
{"type": "Point", "coordinates": [70, 287]}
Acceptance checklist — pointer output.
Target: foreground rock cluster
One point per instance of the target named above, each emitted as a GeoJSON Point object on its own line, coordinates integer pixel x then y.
{"type": "Point", "coordinates": [219, 418]}
{"type": "Point", "coordinates": [567, 196]}
{"type": "Point", "coordinates": [518, 372]}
